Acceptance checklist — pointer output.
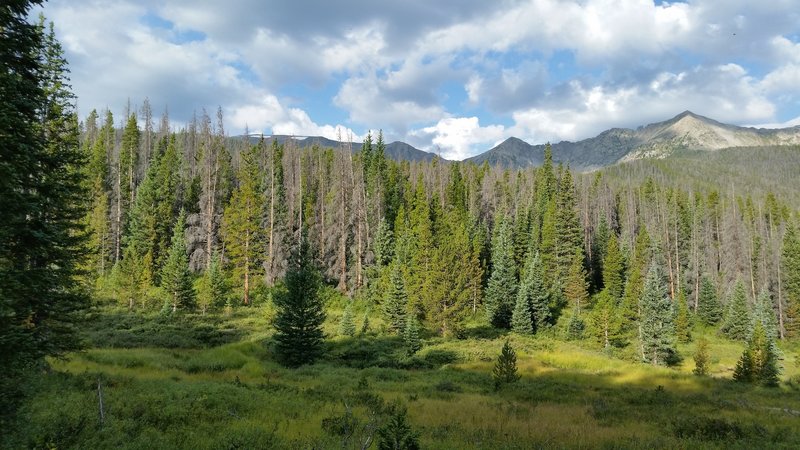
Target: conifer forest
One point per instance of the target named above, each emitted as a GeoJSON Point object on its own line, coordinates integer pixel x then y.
{"type": "Point", "coordinates": [172, 284]}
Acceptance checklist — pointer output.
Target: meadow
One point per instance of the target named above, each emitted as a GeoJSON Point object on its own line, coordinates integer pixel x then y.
{"type": "Point", "coordinates": [210, 382]}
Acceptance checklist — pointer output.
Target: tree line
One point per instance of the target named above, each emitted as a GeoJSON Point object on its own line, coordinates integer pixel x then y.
{"type": "Point", "coordinates": [439, 241]}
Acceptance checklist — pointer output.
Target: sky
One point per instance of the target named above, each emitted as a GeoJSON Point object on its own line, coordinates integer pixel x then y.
{"type": "Point", "coordinates": [452, 76]}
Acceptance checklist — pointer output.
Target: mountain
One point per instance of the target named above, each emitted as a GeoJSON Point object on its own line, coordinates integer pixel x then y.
{"type": "Point", "coordinates": [398, 151]}
{"type": "Point", "coordinates": [686, 131]}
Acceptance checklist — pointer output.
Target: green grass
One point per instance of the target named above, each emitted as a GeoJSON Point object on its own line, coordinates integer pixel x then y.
{"type": "Point", "coordinates": [220, 393]}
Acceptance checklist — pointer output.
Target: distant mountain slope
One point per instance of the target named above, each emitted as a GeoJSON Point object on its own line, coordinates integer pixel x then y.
{"type": "Point", "coordinates": [686, 131]}
{"type": "Point", "coordinates": [398, 151]}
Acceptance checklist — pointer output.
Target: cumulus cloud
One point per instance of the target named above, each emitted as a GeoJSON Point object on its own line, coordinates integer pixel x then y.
{"type": "Point", "coordinates": [459, 137]}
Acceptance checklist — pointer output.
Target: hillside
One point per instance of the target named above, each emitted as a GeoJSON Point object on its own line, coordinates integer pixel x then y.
{"type": "Point", "coordinates": [398, 151]}
{"type": "Point", "coordinates": [686, 131]}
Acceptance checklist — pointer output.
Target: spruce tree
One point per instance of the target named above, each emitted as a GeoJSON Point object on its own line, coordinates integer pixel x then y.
{"type": "Point", "coordinates": [790, 268]}
{"type": "Point", "coordinates": [521, 317]}
{"type": "Point", "coordinates": [501, 290]}
{"type": "Point", "coordinates": [701, 358]}
{"type": "Point", "coordinates": [576, 288]}
{"type": "Point", "coordinates": [765, 314]}
{"type": "Point", "coordinates": [533, 292]}
{"type": "Point", "coordinates": [395, 305]}
{"type": "Point", "coordinates": [411, 335]}
{"type": "Point", "coordinates": [347, 326]}
{"type": "Point", "coordinates": [213, 291]}
{"type": "Point", "coordinates": [176, 278]}
{"type": "Point", "coordinates": [613, 269]}
{"type": "Point", "coordinates": [657, 327]}
{"type": "Point", "coordinates": [505, 369]}
{"type": "Point", "coordinates": [759, 361]}
{"type": "Point", "coordinates": [709, 311]}
{"type": "Point", "coordinates": [737, 317]}
{"type": "Point", "coordinates": [396, 433]}
{"type": "Point", "coordinates": [301, 311]}
{"type": "Point", "coordinates": [42, 200]}
{"type": "Point", "coordinates": [606, 320]}
{"type": "Point", "coordinates": [683, 320]}
{"type": "Point", "coordinates": [575, 325]}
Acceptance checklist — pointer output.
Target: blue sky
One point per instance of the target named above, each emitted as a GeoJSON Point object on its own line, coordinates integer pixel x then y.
{"type": "Point", "coordinates": [454, 76]}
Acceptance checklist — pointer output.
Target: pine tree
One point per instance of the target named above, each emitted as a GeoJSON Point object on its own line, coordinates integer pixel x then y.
{"type": "Point", "coordinates": [213, 291]}
{"type": "Point", "coordinates": [790, 268]}
{"type": "Point", "coordinates": [759, 361]}
{"type": "Point", "coordinates": [298, 322]}
{"type": "Point", "coordinates": [411, 335]}
{"type": "Point", "coordinates": [241, 226]}
{"type": "Point", "coordinates": [683, 320]}
{"type": "Point", "coordinates": [395, 304]}
{"type": "Point", "coordinates": [634, 283]}
{"type": "Point", "coordinates": [701, 358]}
{"type": "Point", "coordinates": [613, 269]}
{"type": "Point", "coordinates": [575, 325]}
{"type": "Point", "coordinates": [502, 287]}
{"type": "Point", "coordinates": [42, 200]}
{"type": "Point", "coordinates": [347, 326]}
{"type": "Point", "coordinates": [737, 317]}
{"type": "Point", "coordinates": [765, 314]}
{"type": "Point", "coordinates": [569, 233]}
{"type": "Point", "coordinates": [396, 433]}
{"type": "Point", "coordinates": [709, 311]}
{"type": "Point", "coordinates": [605, 320]}
{"type": "Point", "coordinates": [505, 369]}
{"type": "Point", "coordinates": [657, 328]}
{"type": "Point", "coordinates": [575, 289]}
{"type": "Point", "coordinates": [521, 317]}
{"type": "Point", "coordinates": [365, 323]}
{"type": "Point", "coordinates": [534, 293]}
{"type": "Point", "coordinates": [176, 278]}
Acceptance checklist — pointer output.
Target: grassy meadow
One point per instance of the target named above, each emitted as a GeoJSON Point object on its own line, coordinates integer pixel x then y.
{"type": "Point", "coordinates": [210, 382]}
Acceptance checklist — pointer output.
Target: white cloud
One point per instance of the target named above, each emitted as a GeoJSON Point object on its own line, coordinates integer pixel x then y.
{"type": "Point", "coordinates": [458, 137]}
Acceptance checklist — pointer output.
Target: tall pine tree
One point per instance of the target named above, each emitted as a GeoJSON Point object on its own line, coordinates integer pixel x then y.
{"type": "Point", "coordinates": [502, 287]}
{"type": "Point", "coordinates": [176, 278]}
{"type": "Point", "coordinates": [657, 329]}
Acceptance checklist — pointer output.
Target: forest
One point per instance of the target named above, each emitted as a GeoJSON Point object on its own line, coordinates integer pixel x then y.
{"type": "Point", "coordinates": [178, 287]}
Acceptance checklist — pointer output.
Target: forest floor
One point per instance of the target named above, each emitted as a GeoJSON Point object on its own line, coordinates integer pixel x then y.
{"type": "Point", "coordinates": [211, 382]}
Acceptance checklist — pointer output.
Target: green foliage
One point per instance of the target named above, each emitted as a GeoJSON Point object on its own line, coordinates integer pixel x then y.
{"type": "Point", "coordinates": [521, 317]}
{"type": "Point", "coordinates": [347, 326]}
{"type": "Point", "coordinates": [605, 320]}
{"type": "Point", "coordinates": [613, 269]}
{"type": "Point", "coordinates": [790, 266]}
{"type": "Point", "coordinates": [502, 287]}
{"type": "Point", "coordinates": [575, 326]}
{"type": "Point", "coordinates": [576, 286]}
{"type": "Point", "coordinates": [657, 327]}
{"type": "Point", "coordinates": [396, 433]}
{"type": "Point", "coordinates": [533, 296]}
{"type": "Point", "coordinates": [505, 368]}
{"type": "Point", "coordinates": [759, 361]}
{"type": "Point", "coordinates": [701, 358]}
{"type": "Point", "coordinates": [411, 335]}
{"type": "Point", "coordinates": [737, 317]}
{"type": "Point", "coordinates": [765, 314]}
{"type": "Point", "coordinates": [395, 303]}
{"type": "Point", "coordinates": [683, 319]}
{"type": "Point", "coordinates": [213, 290]}
{"type": "Point", "coordinates": [709, 310]}
{"type": "Point", "coordinates": [176, 278]}
{"type": "Point", "coordinates": [298, 322]}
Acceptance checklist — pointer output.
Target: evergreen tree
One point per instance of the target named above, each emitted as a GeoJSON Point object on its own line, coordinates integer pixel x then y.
{"type": "Point", "coordinates": [790, 268]}
{"type": "Point", "coordinates": [396, 433]}
{"type": "Point", "coordinates": [737, 317]}
{"type": "Point", "coordinates": [411, 335]}
{"type": "Point", "coordinates": [575, 325]}
{"type": "Point", "coordinates": [765, 314]}
{"type": "Point", "coordinates": [298, 322]}
{"type": "Point", "coordinates": [569, 233]}
{"type": "Point", "coordinates": [213, 291]}
{"type": "Point", "coordinates": [759, 361]}
{"type": "Point", "coordinates": [683, 320]}
{"type": "Point", "coordinates": [613, 269]}
{"type": "Point", "coordinates": [657, 327]}
{"type": "Point", "coordinates": [347, 326]}
{"type": "Point", "coordinates": [709, 311]}
{"type": "Point", "coordinates": [534, 294]}
{"type": "Point", "coordinates": [634, 283]}
{"type": "Point", "coordinates": [42, 200]}
{"type": "Point", "coordinates": [176, 278]}
{"type": "Point", "coordinates": [549, 241]}
{"type": "Point", "coordinates": [605, 320]}
{"type": "Point", "coordinates": [575, 289]}
{"type": "Point", "coordinates": [365, 323]}
{"type": "Point", "coordinates": [505, 369]}
{"type": "Point", "coordinates": [241, 227]}
{"type": "Point", "coordinates": [701, 358]}
{"type": "Point", "coordinates": [502, 286]}
{"type": "Point", "coordinates": [395, 304]}
{"type": "Point", "coordinates": [521, 317]}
